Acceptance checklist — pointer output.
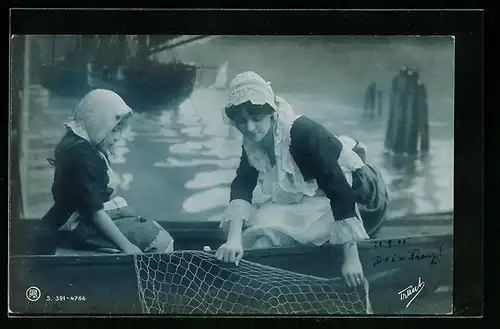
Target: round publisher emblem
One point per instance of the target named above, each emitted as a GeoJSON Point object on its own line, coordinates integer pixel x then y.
{"type": "Point", "coordinates": [33, 294]}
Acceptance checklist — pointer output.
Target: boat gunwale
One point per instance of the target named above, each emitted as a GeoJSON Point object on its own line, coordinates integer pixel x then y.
{"type": "Point", "coordinates": [431, 219]}
{"type": "Point", "coordinates": [261, 253]}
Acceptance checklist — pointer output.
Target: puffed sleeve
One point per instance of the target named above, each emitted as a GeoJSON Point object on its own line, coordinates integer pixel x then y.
{"type": "Point", "coordinates": [322, 151]}
{"type": "Point", "coordinates": [242, 187]}
{"type": "Point", "coordinates": [245, 181]}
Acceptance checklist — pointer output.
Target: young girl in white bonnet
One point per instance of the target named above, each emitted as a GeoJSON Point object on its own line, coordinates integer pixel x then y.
{"type": "Point", "coordinates": [84, 209]}
{"type": "Point", "coordinates": [319, 189]}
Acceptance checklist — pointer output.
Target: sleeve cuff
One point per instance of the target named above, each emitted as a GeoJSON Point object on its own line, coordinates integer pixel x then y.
{"type": "Point", "coordinates": [115, 203]}
{"type": "Point", "coordinates": [236, 209]}
{"type": "Point", "coordinates": [348, 230]}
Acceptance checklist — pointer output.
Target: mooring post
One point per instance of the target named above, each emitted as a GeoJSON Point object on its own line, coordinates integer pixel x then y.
{"type": "Point", "coordinates": [397, 84]}
{"type": "Point", "coordinates": [370, 100]}
{"type": "Point", "coordinates": [400, 109]}
{"type": "Point", "coordinates": [424, 118]}
{"type": "Point", "coordinates": [367, 101]}
{"type": "Point", "coordinates": [412, 124]}
{"type": "Point", "coordinates": [379, 103]}
{"type": "Point", "coordinates": [373, 99]}
{"type": "Point", "coordinates": [392, 102]}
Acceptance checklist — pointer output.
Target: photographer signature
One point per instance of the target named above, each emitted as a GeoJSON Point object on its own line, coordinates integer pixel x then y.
{"type": "Point", "coordinates": [411, 291]}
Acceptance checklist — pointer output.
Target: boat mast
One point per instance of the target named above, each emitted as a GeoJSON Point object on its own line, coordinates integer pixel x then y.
{"type": "Point", "coordinates": [142, 48]}
{"type": "Point", "coordinates": [53, 59]}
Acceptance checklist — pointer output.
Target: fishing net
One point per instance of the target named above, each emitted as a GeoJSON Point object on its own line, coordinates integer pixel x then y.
{"type": "Point", "coordinates": [194, 282]}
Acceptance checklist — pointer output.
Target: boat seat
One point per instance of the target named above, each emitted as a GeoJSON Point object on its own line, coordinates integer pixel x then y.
{"type": "Point", "coordinates": [78, 252]}
{"type": "Point", "coordinates": [66, 246]}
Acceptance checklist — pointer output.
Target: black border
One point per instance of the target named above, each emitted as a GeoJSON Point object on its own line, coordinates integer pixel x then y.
{"type": "Point", "coordinates": [263, 22]}
{"type": "Point", "coordinates": [466, 26]}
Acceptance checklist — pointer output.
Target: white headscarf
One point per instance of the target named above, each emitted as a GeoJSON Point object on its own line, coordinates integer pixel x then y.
{"type": "Point", "coordinates": [97, 114]}
{"type": "Point", "coordinates": [249, 86]}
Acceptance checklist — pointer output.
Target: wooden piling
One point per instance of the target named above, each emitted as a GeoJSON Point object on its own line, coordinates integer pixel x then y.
{"type": "Point", "coordinates": [412, 117]}
{"type": "Point", "coordinates": [408, 115]}
{"type": "Point", "coordinates": [391, 132]}
{"type": "Point", "coordinates": [424, 118]}
{"type": "Point", "coordinates": [370, 98]}
{"type": "Point", "coordinates": [379, 103]}
{"type": "Point", "coordinates": [401, 109]}
{"type": "Point", "coordinates": [373, 99]}
{"type": "Point", "coordinates": [388, 136]}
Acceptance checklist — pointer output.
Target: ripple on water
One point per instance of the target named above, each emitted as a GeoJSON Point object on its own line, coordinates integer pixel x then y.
{"type": "Point", "coordinates": [168, 132]}
{"type": "Point", "coordinates": [165, 140]}
{"type": "Point", "coordinates": [173, 162]}
{"type": "Point", "coordinates": [207, 200]}
{"type": "Point", "coordinates": [193, 131]}
{"type": "Point", "coordinates": [211, 179]}
{"type": "Point", "coordinates": [118, 155]}
{"type": "Point", "coordinates": [189, 148]}
{"type": "Point", "coordinates": [420, 186]}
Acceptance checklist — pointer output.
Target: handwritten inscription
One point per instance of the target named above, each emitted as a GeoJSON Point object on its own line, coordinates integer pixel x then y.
{"type": "Point", "coordinates": [390, 243]}
{"type": "Point", "coordinates": [414, 254]}
{"type": "Point", "coordinates": [411, 291]}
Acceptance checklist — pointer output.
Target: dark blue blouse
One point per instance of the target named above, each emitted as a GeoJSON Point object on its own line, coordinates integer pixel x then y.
{"type": "Point", "coordinates": [80, 180]}
{"type": "Point", "coordinates": [316, 152]}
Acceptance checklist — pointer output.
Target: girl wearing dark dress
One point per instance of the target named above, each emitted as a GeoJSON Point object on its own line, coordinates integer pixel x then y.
{"type": "Point", "coordinates": [318, 188]}
{"type": "Point", "coordinates": [84, 206]}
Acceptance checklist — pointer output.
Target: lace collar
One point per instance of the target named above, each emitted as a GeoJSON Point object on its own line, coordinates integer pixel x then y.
{"type": "Point", "coordinates": [289, 178]}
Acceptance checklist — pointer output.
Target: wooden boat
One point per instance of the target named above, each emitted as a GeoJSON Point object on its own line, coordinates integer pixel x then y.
{"type": "Point", "coordinates": [66, 77]}
{"type": "Point", "coordinates": [84, 281]}
{"type": "Point", "coordinates": [140, 80]}
{"type": "Point", "coordinates": [145, 85]}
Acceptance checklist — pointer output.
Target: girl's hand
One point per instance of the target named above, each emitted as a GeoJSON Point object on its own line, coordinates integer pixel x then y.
{"type": "Point", "coordinates": [352, 272]}
{"type": "Point", "coordinates": [230, 252]}
{"type": "Point", "coordinates": [132, 249]}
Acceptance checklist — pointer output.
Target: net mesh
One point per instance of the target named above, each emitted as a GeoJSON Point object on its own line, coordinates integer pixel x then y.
{"type": "Point", "coordinates": [194, 282]}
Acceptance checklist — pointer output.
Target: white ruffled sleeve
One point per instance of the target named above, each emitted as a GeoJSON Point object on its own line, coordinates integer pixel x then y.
{"type": "Point", "coordinates": [348, 230]}
{"type": "Point", "coordinates": [236, 209]}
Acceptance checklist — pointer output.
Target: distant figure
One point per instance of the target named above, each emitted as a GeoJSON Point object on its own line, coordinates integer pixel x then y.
{"type": "Point", "coordinates": [319, 189]}
{"type": "Point", "coordinates": [84, 207]}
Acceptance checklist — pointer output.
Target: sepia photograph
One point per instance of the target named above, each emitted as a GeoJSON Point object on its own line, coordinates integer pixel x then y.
{"type": "Point", "coordinates": [231, 174]}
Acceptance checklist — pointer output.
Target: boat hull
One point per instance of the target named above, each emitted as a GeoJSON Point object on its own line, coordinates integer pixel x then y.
{"type": "Point", "coordinates": [152, 86]}
{"type": "Point", "coordinates": [65, 80]}
{"type": "Point", "coordinates": [143, 89]}
{"type": "Point", "coordinates": [109, 283]}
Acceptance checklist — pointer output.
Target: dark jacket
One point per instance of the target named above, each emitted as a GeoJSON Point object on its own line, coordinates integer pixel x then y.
{"type": "Point", "coordinates": [316, 152]}
{"type": "Point", "coordinates": [80, 180]}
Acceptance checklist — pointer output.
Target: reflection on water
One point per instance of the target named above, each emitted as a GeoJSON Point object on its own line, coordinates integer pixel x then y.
{"type": "Point", "coordinates": [193, 141]}
{"type": "Point", "coordinates": [413, 184]}
{"type": "Point", "coordinates": [202, 152]}
{"type": "Point", "coordinates": [416, 184]}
